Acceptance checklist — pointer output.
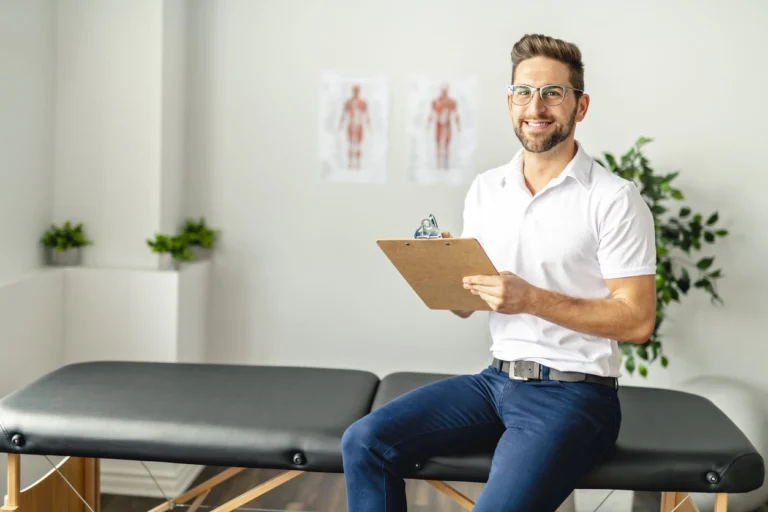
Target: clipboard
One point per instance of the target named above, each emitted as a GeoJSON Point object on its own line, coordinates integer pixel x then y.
{"type": "Point", "coordinates": [435, 268]}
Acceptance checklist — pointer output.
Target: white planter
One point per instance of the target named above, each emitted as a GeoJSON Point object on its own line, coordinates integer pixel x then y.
{"type": "Point", "coordinates": [167, 262]}
{"type": "Point", "coordinates": [68, 258]}
{"type": "Point", "coordinates": [201, 253]}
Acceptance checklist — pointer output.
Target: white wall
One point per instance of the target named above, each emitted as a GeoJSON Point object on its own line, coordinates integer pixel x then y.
{"type": "Point", "coordinates": [298, 278]}
{"type": "Point", "coordinates": [32, 326]}
{"type": "Point", "coordinates": [26, 86]}
{"type": "Point", "coordinates": [173, 113]}
{"type": "Point", "coordinates": [108, 125]}
{"type": "Point", "coordinates": [120, 314]}
{"type": "Point", "coordinates": [29, 346]}
{"type": "Point", "coordinates": [192, 312]}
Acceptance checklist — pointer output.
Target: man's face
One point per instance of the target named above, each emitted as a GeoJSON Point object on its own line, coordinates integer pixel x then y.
{"type": "Point", "coordinates": [538, 126]}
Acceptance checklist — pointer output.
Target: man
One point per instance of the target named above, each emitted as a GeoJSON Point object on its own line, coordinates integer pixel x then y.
{"type": "Point", "coordinates": [444, 111]}
{"type": "Point", "coordinates": [355, 112]}
{"type": "Point", "coordinates": [576, 249]}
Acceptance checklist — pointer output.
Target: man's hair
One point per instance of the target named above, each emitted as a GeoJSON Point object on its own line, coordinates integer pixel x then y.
{"type": "Point", "coordinates": [537, 45]}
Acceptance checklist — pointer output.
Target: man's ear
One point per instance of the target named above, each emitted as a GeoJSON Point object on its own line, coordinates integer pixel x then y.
{"type": "Point", "coordinates": [581, 111]}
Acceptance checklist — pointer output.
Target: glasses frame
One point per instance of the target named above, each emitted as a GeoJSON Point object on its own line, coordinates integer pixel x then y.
{"type": "Point", "coordinates": [511, 91]}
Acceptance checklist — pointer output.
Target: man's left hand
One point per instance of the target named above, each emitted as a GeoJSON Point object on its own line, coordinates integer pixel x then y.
{"type": "Point", "coordinates": [504, 293]}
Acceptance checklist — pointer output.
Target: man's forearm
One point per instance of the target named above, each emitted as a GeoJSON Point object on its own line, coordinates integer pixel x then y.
{"type": "Point", "coordinates": [612, 318]}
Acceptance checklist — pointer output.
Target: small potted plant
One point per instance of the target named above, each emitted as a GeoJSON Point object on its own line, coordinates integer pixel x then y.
{"type": "Point", "coordinates": [200, 237]}
{"type": "Point", "coordinates": [173, 250]}
{"type": "Point", "coordinates": [64, 243]}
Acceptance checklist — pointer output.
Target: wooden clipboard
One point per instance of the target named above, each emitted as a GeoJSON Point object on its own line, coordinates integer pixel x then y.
{"type": "Point", "coordinates": [435, 268]}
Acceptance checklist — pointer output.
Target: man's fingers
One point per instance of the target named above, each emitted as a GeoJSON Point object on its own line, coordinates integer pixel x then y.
{"type": "Point", "coordinates": [494, 291]}
{"type": "Point", "coordinates": [482, 280]}
{"type": "Point", "coordinates": [489, 299]}
{"type": "Point", "coordinates": [446, 234]}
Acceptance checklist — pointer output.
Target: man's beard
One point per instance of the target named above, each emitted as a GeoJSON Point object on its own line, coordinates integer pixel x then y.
{"type": "Point", "coordinates": [543, 144]}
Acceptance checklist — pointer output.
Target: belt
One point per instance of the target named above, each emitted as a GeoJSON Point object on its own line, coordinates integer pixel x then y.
{"type": "Point", "coordinates": [529, 370]}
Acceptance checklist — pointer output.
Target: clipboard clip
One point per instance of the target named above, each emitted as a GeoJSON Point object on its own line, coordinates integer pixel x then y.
{"type": "Point", "coordinates": [428, 228]}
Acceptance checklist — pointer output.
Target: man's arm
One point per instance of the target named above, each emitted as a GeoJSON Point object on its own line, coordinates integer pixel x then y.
{"type": "Point", "coordinates": [628, 315]}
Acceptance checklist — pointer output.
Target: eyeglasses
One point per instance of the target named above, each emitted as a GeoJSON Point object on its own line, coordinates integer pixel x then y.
{"type": "Point", "coordinates": [551, 95]}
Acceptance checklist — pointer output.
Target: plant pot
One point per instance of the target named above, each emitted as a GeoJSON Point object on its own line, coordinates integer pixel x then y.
{"type": "Point", "coordinates": [67, 258]}
{"type": "Point", "coordinates": [201, 253]}
{"type": "Point", "coordinates": [168, 262]}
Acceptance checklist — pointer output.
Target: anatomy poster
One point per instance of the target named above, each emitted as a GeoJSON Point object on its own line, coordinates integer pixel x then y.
{"type": "Point", "coordinates": [442, 130]}
{"type": "Point", "coordinates": [354, 116]}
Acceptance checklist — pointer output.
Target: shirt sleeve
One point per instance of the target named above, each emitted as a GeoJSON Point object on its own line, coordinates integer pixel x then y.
{"type": "Point", "coordinates": [627, 245]}
{"type": "Point", "coordinates": [472, 220]}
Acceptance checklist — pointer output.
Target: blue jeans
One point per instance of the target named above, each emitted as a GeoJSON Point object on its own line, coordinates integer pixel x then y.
{"type": "Point", "coordinates": [545, 436]}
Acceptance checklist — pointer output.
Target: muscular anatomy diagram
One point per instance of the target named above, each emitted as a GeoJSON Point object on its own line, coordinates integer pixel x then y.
{"type": "Point", "coordinates": [443, 112]}
{"type": "Point", "coordinates": [355, 113]}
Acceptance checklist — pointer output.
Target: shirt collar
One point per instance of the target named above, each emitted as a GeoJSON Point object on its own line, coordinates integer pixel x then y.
{"type": "Point", "coordinates": [579, 168]}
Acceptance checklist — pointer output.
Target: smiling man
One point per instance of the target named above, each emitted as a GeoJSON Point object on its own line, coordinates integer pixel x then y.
{"type": "Point", "coordinates": [575, 246]}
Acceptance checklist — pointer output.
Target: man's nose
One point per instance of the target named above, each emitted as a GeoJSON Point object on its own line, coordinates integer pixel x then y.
{"type": "Point", "coordinates": [536, 104]}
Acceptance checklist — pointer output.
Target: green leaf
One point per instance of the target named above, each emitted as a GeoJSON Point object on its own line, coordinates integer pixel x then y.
{"type": "Point", "coordinates": [704, 263]}
{"type": "Point", "coordinates": [643, 141]}
{"type": "Point", "coordinates": [677, 194]}
{"type": "Point", "coordinates": [674, 295]}
{"type": "Point", "coordinates": [716, 274]}
{"type": "Point", "coordinates": [709, 236]}
{"type": "Point", "coordinates": [630, 365]}
{"type": "Point", "coordinates": [685, 211]}
{"type": "Point", "coordinates": [721, 232]}
{"type": "Point", "coordinates": [664, 361]}
{"type": "Point", "coordinates": [611, 161]}
{"type": "Point", "coordinates": [643, 370]}
{"type": "Point", "coordinates": [705, 284]}
{"type": "Point", "coordinates": [658, 209]}
{"type": "Point", "coordinates": [684, 283]}
{"type": "Point", "coordinates": [712, 219]}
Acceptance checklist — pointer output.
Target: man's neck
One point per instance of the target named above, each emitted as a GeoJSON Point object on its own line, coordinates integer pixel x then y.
{"type": "Point", "coordinates": [541, 168]}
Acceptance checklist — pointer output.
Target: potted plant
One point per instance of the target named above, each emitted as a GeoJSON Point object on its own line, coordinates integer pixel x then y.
{"type": "Point", "coordinates": [200, 237]}
{"type": "Point", "coordinates": [63, 244]}
{"type": "Point", "coordinates": [173, 250]}
{"type": "Point", "coordinates": [680, 234]}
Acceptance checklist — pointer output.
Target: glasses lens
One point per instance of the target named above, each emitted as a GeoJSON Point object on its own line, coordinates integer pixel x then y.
{"type": "Point", "coordinates": [553, 95]}
{"type": "Point", "coordinates": [521, 94]}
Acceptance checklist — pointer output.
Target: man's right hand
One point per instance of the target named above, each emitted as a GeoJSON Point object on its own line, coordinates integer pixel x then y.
{"type": "Point", "coordinates": [459, 313]}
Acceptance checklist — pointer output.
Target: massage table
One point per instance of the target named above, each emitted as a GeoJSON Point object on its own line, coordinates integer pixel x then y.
{"type": "Point", "coordinates": [292, 419]}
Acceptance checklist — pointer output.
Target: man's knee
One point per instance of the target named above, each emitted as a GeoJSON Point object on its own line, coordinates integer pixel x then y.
{"type": "Point", "coordinates": [359, 438]}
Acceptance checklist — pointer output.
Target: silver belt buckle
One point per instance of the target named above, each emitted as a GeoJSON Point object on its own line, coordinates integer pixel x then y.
{"type": "Point", "coordinates": [524, 370]}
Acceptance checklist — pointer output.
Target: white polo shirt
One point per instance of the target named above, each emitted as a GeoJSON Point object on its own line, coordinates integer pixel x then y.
{"type": "Point", "coordinates": [585, 226]}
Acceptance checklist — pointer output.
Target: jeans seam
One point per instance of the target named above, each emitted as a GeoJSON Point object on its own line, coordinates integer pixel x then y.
{"type": "Point", "coordinates": [501, 399]}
